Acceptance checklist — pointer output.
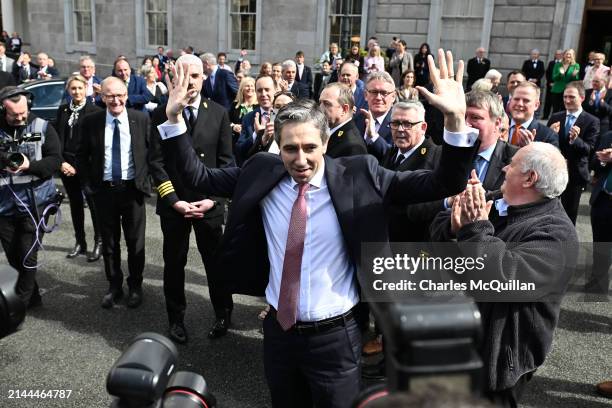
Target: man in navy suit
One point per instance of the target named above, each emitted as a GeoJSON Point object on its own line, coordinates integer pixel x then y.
{"type": "Point", "coordinates": [289, 72]}
{"type": "Point", "coordinates": [44, 70]}
{"type": "Point", "coordinates": [312, 344]}
{"type": "Point", "coordinates": [578, 134]}
{"type": "Point", "coordinates": [138, 94]}
{"type": "Point", "coordinates": [524, 128]}
{"type": "Point", "coordinates": [221, 85]}
{"type": "Point", "coordinates": [264, 89]}
{"type": "Point", "coordinates": [303, 74]}
{"type": "Point", "coordinates": [349, 76]}
{"type": "Point", "coordinates": [23, 70]}
{"type": "Point", "coordinates": [374, 124]}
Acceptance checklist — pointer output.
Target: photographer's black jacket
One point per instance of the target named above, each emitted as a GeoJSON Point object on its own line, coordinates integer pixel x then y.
{"type": "Point", "coordinates": [42, 170]}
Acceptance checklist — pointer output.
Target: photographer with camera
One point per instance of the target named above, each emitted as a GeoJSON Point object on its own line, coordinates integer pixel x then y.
{"type": "Point", "coordinates": [29, 155]}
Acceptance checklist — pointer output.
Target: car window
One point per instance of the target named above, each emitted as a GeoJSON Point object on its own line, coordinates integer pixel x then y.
{"type": "Point", "coordinates": [47, 95]}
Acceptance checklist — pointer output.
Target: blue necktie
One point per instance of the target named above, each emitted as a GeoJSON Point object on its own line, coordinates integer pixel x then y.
{"type": "Point", "coordinates": [479, 164]}
{"type": "Point", "coordinates": [597, 99]}
{"type": "Point", "coordinates": [116, 152]}
{"type": "Point", "coordinates": [569, 122]}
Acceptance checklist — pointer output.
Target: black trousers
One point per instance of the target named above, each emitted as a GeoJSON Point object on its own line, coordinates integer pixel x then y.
{"type": "Point", "coordinates": [601, 225]}
{"type": "Point", "coordinates": [571, 198]}
{"type": "Point", "coordinates": [77, 209]}
{"type": "Point", "coordinates": [119, 208]}
{"type": "Point", "coordinates": [18, 236]}
{"type": "Point", "coordinates": [557, 102]}
{"type": "Point", "coordinates": [176, 233]}
{"type": "Point", "coordinates": [318, 369]}
{"type": "Point", "coordinates": [547, 103]}
{"type": "Point", "coordinates": [509, 398]}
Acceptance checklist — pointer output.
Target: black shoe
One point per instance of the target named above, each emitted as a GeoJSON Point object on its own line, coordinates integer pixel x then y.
{"type": "Point", "coordinates": [111, 298]}
{"type": "Point", "coordinates": [375, 371]}
{"type": "Point", "coordinates": [178, 333]}
{"type": "Point", "coordinates": [35, 302]}
{"type": "Point", "coordinates": [219, 328]}
{"type": "Point", "coordinates": [95, 254]}
{"type": "Point", "coordinates": [135, 298]}
{"type": "Point", "coordinates": [79, 249]}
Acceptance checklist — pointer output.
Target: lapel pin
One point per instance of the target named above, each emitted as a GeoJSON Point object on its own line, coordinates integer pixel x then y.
{"type": "Point", "coordinates": [205, 105]}
{"type": "Point", "coordinates": [340, 133]}
{"type": "Point", "coordinates": [423, 151]}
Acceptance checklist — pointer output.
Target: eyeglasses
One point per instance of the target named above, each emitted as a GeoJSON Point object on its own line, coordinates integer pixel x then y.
{"type": "Point", "coordinates": [111, 97]}
{"type": "Point", "coordinates": [407, 125]}
{"type": "Point", "coordinates": [376, 93]}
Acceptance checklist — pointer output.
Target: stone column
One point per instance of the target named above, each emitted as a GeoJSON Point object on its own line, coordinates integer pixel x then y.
{"type": "Point", "coordinates": [8, 16]}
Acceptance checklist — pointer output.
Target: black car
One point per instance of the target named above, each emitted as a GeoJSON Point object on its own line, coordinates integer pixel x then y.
{"type": "Point", "coordinates": [48, 96]}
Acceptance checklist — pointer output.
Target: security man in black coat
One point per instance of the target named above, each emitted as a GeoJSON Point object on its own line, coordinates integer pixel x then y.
{"type": "Point", "coordinates": [181, 209]}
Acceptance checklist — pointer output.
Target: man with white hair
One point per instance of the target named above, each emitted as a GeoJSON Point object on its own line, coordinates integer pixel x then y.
{"type": "Point", "coordinates": [533, 68]}
{"type": "Point", "coordinates": [477, 67]}
{"type": "Point", "coordinates": [518, 335]}
{"type": "Point", "coordinates": [220, 85]}
{"type": "Point", "coordinates": [180, 209]}
{"type": "Point", "coordinates": [45, 71]}
{"type": "Point", "coordinates": [289, 70]}
{"type": "Point", "coordinates": [494, 76]}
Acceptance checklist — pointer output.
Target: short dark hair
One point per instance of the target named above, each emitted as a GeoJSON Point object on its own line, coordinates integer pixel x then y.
{"type": "Point", "coordinates": [515, 72]}
{"type": "Point", "coordinates": [299, 54]}
{"type": "Point", "coordinates": [301, 111]}
{"type": "Point", "coordinates": [578, 85]}
{"type": "Point", "coordinates": [221, 54]}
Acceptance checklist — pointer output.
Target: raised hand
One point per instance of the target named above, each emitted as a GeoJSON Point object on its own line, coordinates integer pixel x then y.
{"type": "Point", "coordinates": [474, 205]}
{"type": "Point", "coordinates": [370, 124]}
{"type": "Point", "coordinates": [526, 136]}
{"type": "Point", "coordinates": [448, 94]}
{"type": "Point", "coordinates": [178, 91]}
{"type": "Point", "coordinates": [555, 127]}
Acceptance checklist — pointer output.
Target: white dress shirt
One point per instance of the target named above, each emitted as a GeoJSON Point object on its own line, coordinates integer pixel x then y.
{"type": "Point", "coordinates": [328, 285]}
{"type": "Point", "coordinates": [127, 160]}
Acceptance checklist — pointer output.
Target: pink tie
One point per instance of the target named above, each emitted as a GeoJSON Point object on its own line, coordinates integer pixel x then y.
{"type": "Point", "coordinates": [292, 264]}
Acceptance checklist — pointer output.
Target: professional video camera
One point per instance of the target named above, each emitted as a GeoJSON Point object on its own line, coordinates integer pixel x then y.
{"type": "Point", "coordinates": [12, 308]}
{"type": "Point", "coordinates": [428, 343]}
{"type": "Point", "coordinates": [9, 148]}
{"type": "Point", "coordinates": [144, 376]}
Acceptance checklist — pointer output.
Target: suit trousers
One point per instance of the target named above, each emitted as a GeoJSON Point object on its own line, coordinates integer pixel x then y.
{"type": "Point", "coordinates": [510, 397]}
{"type": "Point", "coordinates": [547, 103]}
{"type": "Point", "coordinates": [601, 225]}
{"type": "Point", "coordinates": [557, 102]}
{"type": "Point", "coordinates": [176, 233]}
{"type": "Point", "coordinates": [319, 369]}
{"type": "Point", "coordinates": [18, 237]}
{"type": "Point", "coordinates": [122, 207]}
{"type": "Point", "coordinates": [77, 209]}
{"type": "Point", "coordinates": [571, 198]}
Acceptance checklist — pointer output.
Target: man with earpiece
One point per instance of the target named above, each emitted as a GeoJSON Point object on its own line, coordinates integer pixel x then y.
{"type": "Point", "coordinates": [29, 155]}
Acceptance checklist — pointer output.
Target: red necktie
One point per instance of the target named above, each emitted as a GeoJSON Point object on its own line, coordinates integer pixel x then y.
{"type": "Point", "coordinates": [292, 264]}
{"type": "Point", "coordinates": [516, 136]}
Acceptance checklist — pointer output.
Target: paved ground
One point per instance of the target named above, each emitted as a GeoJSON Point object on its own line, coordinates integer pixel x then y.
{"type": "Point", "coordinates": [71, 342]}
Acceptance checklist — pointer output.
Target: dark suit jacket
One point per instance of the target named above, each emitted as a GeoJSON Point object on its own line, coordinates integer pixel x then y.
{"type": "Point", "coordinates": [549, 73]}
{"type": "Point", "coordinates": [319, 83]}
{"type": "Point", "coordinates": [346, 141]}
{"type": "Point", "coordinates": [90, 157]}
{"type": "Point", "coordinates": [410, 223]}
{"type": "Point", "coordinates": [70, 142]}
{"type": "Point", "coordinates": [20, 74]}
{"type": "Point", "coordinates": [211, 139]}
{"type": "Point", "coordinates": [138, 94]}
{"type": "Point", "coordinates": [476, 71]}
{"type": "Point", "coordinates": [51, 71]}
{"type": "Point", "coordinates": [225, 88]}
{"type": "Point", "coordinates": [602, 112]}
{"type": "Point", "coordinates": [299, 90]}
{"type": "Point", "coordinates": [601, 172]}
{"type": "Point", "coordinates": [305, 79]}
{"type": "Point", "coordinates": [359, 96]}
{"type": "Point", "coordinates": [533, 73]}
{"type": "Point", "coordinates": [360, 190]}
{"type": "Point", "coordinates": [6, 79]}
{"type": "Point", "coordinates": [384, 142]}
{"type": "Point", "coordinates": [578, 153]}
{"type": "Point", "coordinates": [544, 133]}
{"type": "Point", "coordinates": [245, 141]}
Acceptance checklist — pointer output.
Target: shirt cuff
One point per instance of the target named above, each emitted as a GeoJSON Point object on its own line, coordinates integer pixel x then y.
{"type": "Point", "coordinates": [254, 136]}
{"type": "Point", "coordinates": [461, 139]}
{"type": "Point", "coordinates": [371, 140]}
{"type": "Point", "coordinates": [169, 130]}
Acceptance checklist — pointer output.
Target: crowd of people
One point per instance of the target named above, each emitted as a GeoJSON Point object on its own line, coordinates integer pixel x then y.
{"type": "Point", "coordinates": [311, 162]}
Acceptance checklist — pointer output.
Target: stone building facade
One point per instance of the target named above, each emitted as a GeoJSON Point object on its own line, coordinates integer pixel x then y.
{"type": "Point", "coordinates": [276, 29]}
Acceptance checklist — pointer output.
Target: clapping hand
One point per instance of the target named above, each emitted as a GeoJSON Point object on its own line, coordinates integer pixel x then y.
{"type": "Point", "coordinates": [573, 133]}
{"type": "Point", "coordinates": [526, 136]}
{"type": "Point", "coordinates": [370, 123]}
{"type": "Point", "coordinates": [448, 94]}
{"type": "Point", "coordinates": [555, 127]}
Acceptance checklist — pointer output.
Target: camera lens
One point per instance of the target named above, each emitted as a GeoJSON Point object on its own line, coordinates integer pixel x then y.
{"type": "Point", "coordinates": [15, 160]}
